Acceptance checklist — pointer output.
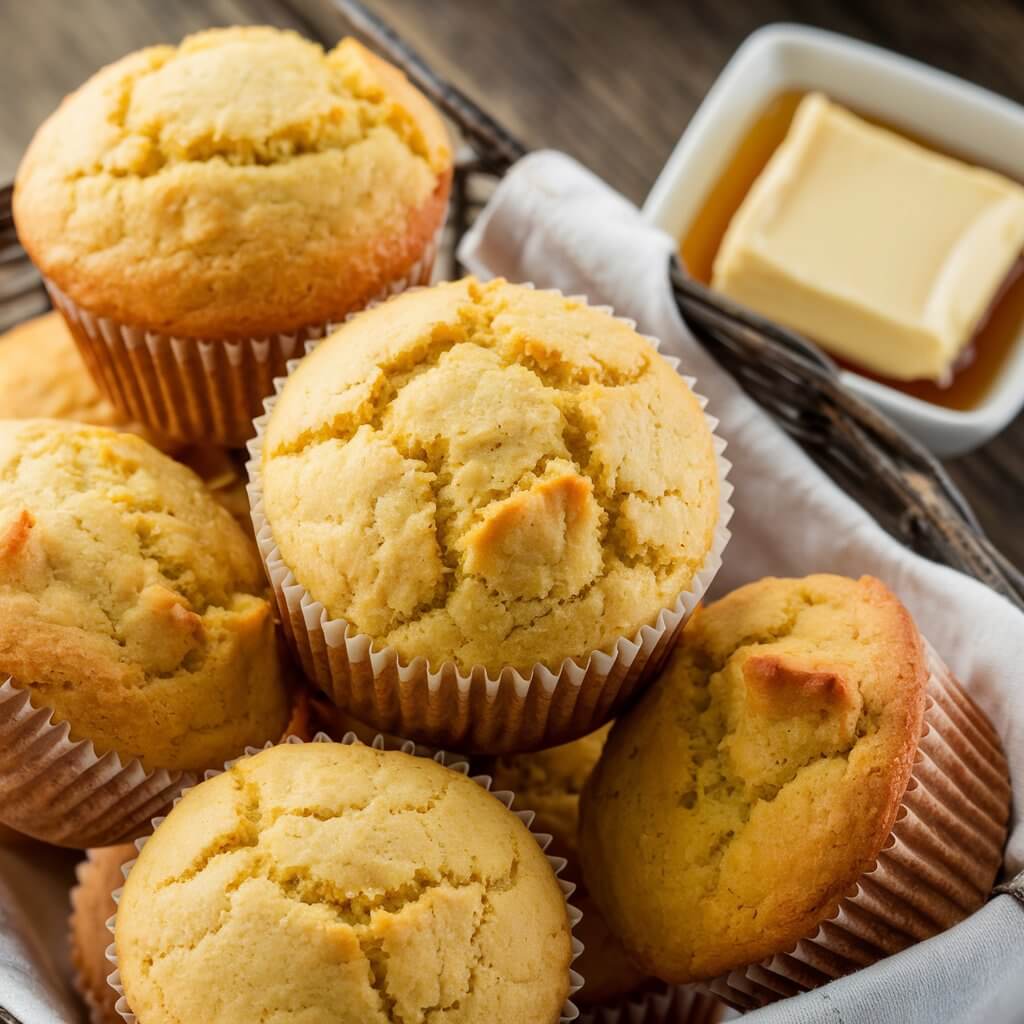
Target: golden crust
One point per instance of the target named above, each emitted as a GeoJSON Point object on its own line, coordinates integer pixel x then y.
{"type": "Point", "coordinates": [42, 375]}
{"type": "Point", "coordinates": [549, 783]}
{"type": "Point", "coordinates": [131, 604]}
{"type": "Point", "coordinates": [784, 686]}
{"type": "Point", "coordinates": [344, 884]}
{"type": "Point", "coordinates": [491, 475]}
{"type": "Point", "coordinates": [92, 905]}
{"type": "Point", "coordinates": [153, 198]}
{"type": "Point", "coordinates": [759, 777]}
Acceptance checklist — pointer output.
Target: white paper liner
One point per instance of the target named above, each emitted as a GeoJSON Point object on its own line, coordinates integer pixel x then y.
{"type": "Point", "coordinates": [657, 1003]}
{"type": "Point", "coordinates": [456, 763]}
{"type": "Point", "coordinates": [473, 711]}
{"type": "Point", "coordinates": [189, 390]}
{"type": "Point", "coordinates": [61, 791]}
{"type": "Point", "coordinates": [937, 867]}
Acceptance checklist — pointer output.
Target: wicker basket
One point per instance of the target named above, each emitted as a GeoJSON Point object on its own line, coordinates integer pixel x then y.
{"type": "Point", "coordinates": [900, 483]}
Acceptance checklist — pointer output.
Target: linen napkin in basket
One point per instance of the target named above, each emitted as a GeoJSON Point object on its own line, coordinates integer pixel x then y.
{"type": "Point", "coordinates": [555, 224]}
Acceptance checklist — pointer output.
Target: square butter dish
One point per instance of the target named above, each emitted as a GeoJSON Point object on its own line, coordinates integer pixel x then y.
{"type": "Point", "coordinates": [926, 103]}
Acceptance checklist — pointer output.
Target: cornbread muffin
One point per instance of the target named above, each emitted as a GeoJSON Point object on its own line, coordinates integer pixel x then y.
{"type": "Point", "coordinates": [221, 471]}
{"type": "Point", "coordinates": [490, 475]}
{"type": "Point", "coordinates": [92, 905]}
{"type": "Point", "coordinates": [42, 375]}
{"type": "Point", "coordinates": [759, 777]}
{"type": "Point", "coordinates": [131, 604]}
{"type": "Point", "coordinates": [342, 884]}
{"type": "Point", "coordinates": [549, 782]}
{"type": "Point", "coordinates": [241, 184]}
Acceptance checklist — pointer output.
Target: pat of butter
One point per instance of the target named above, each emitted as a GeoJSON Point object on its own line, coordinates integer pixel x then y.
{"type": "Point", "coordinates": [880, 250]}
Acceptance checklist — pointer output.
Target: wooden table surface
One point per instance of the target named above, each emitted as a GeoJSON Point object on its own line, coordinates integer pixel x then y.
{"type": "Point", "coordinates": [613, 82]}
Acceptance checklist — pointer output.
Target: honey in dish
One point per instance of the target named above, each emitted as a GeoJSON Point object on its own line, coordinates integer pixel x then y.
{"type": "Point", "coordinates": [993, 341]}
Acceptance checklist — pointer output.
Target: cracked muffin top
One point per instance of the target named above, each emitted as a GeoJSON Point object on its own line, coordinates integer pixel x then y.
{"type": "Point", "coordinates": [242, 183]}
{"type": "Point", "coordinates": [549, 782]}
{"type": "Point", "coordinates": [490, 475]}
{"type": "Point", "coordinates": [759, 777]}
{"type": "Point", "coordinates": [131, 603]}
{"type": "Point", "coordinates": [342, 885]}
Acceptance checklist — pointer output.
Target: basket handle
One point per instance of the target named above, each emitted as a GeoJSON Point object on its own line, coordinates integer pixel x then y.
{"type": "Point", "coordinates": [854, 443]}
{"type": "Point", "coordinates": [496, 148]}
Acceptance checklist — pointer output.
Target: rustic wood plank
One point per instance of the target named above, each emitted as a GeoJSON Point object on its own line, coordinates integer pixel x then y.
{"type": "Point", "coordinates": [611, 82]}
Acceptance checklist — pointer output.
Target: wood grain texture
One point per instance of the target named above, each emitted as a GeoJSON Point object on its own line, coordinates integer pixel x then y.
{"type": "Point", "coordinates": [612, 82]}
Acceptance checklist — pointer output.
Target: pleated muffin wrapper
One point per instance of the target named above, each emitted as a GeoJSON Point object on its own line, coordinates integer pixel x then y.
{"type": "Point", "coordinates": [936, 868]}
{"type": "Point", "coordinates": [98, 1014]}
{"type": "Point", "coordinates": [456, 763]}
{"type": "Point", "coordinates": [62, 791]}
{"type": "Point", "coordinates": [657, 1003]}
{"type": "Point", "coordinates": [474, 711]}
{"type": "Point", "coordinates": [189, 390]}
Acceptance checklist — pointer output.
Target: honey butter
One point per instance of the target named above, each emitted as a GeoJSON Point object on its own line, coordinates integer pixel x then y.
{"type": "Point", "coordinates": [885, 253]}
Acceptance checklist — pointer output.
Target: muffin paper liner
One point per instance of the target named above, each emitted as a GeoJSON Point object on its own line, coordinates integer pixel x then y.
{"type": "Point", "coordinates": [657, 1003]}
{"type": "Point", "coordinates": [472, 711]}
{"type": "Point", "coordinates": [97, 1013]}
{"type": "Point", "coordinates": [61, 791]}
{"type": "Point", "coordinates": [937, 867]}
{"type": "Point", "coordinates": [190, 390]}
{"type": "Point", "coordinates": [453, 761]}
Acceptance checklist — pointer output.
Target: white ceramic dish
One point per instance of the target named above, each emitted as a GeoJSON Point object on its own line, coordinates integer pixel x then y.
{"type": "Point", "coordinates": [973, 122]}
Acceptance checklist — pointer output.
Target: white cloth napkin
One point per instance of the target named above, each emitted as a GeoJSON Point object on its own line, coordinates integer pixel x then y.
{"type": "Point", "coordinates": [555, 224]}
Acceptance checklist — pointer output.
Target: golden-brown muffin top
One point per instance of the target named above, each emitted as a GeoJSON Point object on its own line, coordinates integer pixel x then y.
{"type": "Point", "coordinates": [759, 777]}
{"type": "Point", "coordinates": [42, 375]}
{"type": "Point", "coordinates": [491, 475]}
{"type": "Point", "coordinates": [131, 603]}
{"type": "Point", "coordinates": [92, 905]}
{"type": "Point", "coordinates": [214, 188]}
{"type": "Point", "coordinates": [343, 885]}
{"type": "Point", "coordinates": [549, 783]}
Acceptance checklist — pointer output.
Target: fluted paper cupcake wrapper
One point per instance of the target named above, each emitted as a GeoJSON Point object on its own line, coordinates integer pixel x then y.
{"type": "Point", "coordinates": [97, 1013]}
{"type": "Point", "coordinates": [191, 390]}
{"type": "Point", "coordinates": [937, 867]}
{"type": "Point", "coordinates": [456, 763]}
{"type": "Point", "coordinates": [61, 791]}
{"type": "Point", "coordinates": [473, 711]}
{"type": "Point", "coordinates": [658, 1003]}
